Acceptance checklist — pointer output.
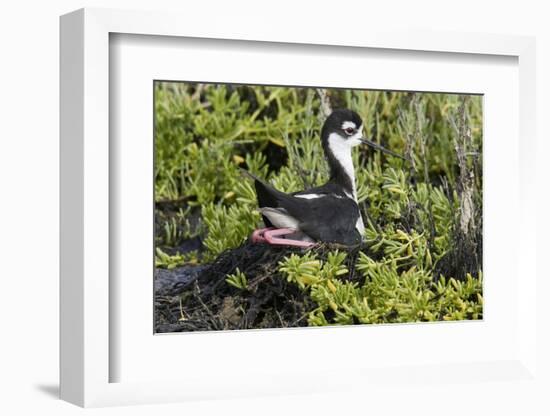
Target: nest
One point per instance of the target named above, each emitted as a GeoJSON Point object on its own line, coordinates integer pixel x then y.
{"type": "Point", "coordinates": [205, 301]}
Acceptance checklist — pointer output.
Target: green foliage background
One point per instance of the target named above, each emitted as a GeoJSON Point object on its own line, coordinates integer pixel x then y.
{"type": "Point", "coordinates": [418, 230]}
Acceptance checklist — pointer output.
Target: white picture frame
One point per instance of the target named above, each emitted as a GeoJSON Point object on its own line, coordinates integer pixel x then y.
{"type": "Point", "coordinates": [86, 304]}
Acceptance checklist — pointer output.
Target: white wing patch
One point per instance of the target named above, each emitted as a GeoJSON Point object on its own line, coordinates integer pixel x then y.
{"type": "Point", "coordinates": [309, 196]}
{"type": "Point", "coordinates": [315, 196]}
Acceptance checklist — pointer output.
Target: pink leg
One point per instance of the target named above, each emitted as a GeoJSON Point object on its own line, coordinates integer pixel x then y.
{"type": "Point", "coordinates": [270, 237]}
{"type": "Point", "coordinates": [258, 235]}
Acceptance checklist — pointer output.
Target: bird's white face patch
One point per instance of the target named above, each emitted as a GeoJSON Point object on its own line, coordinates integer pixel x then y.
{"type": "Point", "coordinates": [348, 124]}
{"type": "Point", "coordinates": [355, 139]}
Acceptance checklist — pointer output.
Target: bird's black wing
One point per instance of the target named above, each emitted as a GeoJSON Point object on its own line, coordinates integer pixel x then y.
{"type": "Point", "coordinates": [329, 218]}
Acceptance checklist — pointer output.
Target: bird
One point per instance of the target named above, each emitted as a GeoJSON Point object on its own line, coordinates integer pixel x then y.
{"type": "Point", "coordinates": [328, 213]}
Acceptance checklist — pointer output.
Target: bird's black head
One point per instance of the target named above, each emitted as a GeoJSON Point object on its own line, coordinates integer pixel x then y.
{"type": "Point", "coordinates": [344, 123]}
{"type": "Point", "coordinates": [342, 130]}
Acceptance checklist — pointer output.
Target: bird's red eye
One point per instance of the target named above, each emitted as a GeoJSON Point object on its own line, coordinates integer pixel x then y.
{"type": "Point", "coordinates": [349, 131]}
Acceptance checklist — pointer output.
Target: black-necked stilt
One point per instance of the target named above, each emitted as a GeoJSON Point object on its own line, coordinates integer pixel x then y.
{"type": "Point", "coordinates": [327, 213]}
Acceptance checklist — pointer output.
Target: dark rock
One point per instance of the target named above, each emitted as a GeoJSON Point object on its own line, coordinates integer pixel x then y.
{"type": "Point", "coordinates": [173, 282]}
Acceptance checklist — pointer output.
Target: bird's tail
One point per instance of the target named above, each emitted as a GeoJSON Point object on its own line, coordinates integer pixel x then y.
{"type": "Point", "coordinates": [245, 172]}
{"type": "Point", "coordinates": [264, 191]}
{"type": "Point", "coordinates": [264, 194]}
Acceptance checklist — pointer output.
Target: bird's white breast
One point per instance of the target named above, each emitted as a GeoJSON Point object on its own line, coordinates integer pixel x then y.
{"type": "Point", "coordinates": [359, 224]}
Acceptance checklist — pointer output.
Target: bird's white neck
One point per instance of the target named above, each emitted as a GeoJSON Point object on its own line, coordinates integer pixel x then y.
{"type": "Point", "coordinates": [341, 151]}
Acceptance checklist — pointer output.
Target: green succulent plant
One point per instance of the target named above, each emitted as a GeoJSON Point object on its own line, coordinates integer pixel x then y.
{"type": "Point", "coordinates": [417, 229]}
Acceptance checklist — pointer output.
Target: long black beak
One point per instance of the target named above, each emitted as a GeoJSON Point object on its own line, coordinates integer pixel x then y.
{"type": "Point", "coordinates": [380, 148]}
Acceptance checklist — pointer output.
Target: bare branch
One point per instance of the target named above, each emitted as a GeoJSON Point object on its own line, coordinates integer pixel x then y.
{"type": "Point", "coordinates": [326, 108]}
{"type": "Point", "coordinates": [462, 140]}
